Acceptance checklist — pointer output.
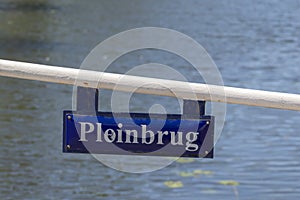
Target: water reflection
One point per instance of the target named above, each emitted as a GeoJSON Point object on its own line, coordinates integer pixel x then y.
{"type": "Point", "coordinates": [27, 6]}
{"type": "Point", "coordinates": [23, 30]}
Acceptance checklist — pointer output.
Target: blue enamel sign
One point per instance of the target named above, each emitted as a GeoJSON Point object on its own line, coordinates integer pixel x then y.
{"type": "Point", "coordinates": [137, 134]}
{"type": "Point", "coordinates": [86, 130]}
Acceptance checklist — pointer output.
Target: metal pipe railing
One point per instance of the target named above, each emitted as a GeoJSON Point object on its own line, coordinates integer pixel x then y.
{"type": "Point", "coordinates": [144, 85]}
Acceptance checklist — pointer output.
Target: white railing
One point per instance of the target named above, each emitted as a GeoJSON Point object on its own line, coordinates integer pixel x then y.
{"type": "Point", "coordinates": [162, 87]}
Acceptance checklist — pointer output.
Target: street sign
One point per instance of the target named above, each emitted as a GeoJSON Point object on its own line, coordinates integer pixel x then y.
{"type": "Point", "coordinates": [108, 133]}
{"type": "Point", "coordinates": [87, 130]}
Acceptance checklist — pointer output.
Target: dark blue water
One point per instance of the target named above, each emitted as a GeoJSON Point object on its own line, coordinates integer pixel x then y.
{"type": "Point", "coordinates": [255, 44]}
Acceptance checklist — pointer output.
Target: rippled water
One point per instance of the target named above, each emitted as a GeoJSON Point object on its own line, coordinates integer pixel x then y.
{"type": "Point", "coordinates": [255, 45]}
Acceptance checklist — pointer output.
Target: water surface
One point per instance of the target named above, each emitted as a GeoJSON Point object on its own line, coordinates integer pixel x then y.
{"type": "Point", "coordinates": [255, 45]}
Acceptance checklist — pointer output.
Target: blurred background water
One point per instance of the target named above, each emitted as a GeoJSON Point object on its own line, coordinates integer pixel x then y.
{"type": "Point", "coordinates": [255, 44]}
